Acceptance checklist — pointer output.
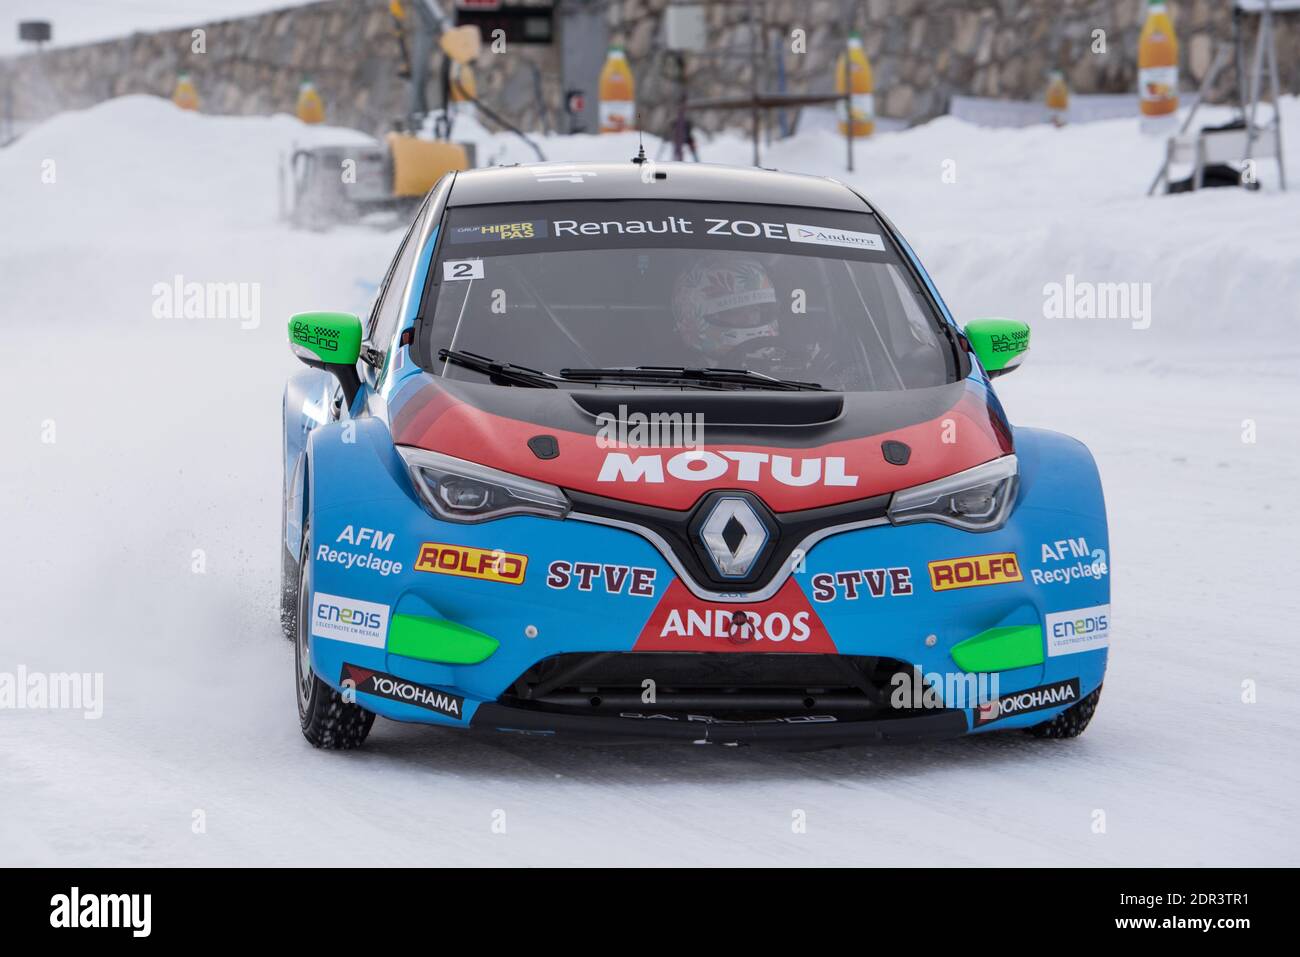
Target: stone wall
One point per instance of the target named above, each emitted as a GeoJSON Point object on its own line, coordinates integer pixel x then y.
{"type": "Point", "coordinates": [254, 65]}
{"type": "Point", "coordinates": [923, 51]}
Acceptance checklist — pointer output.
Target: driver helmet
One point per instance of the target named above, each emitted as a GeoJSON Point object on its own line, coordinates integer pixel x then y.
{"type": "Point", "coordinates": [723, 304]}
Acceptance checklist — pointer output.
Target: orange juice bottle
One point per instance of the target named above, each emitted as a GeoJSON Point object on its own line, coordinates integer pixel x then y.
{"type": "Point", "coordinates": [463, 87]}
{"type": "Point", "coordinates": [185, 95]}
{"type": "Point", "coordinates": [1158, 65]}
{"type": "Point", "coordinates": [853, 76]}
{"type": "Point", "coordinates": [310, 107]}
{"type": "Point", "coordinates": [616, 93]}
{"type": "Point", "coordinates": [1058, 98]}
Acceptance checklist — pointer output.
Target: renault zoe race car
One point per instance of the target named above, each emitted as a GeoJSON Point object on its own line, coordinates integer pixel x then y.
{"type": "Point", "coordinates": [683, 452]}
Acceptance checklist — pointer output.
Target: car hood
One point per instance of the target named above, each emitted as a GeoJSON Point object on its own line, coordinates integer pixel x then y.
{"type": "Point", "coordinates": [795, 450]}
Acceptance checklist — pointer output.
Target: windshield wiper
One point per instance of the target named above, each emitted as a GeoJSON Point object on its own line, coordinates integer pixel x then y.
{"type": "Point", "coordinates": [499, 372]}
{"type": "Point", "coordinates": [688, 374]}
{"type": "Point", "coordinates": [509, 373]}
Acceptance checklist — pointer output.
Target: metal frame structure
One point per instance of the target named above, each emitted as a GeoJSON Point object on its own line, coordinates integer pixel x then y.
{"type": "Point", "coordinates": [1236, 145]}
{"type": "Point", "coordinates": [758, 102]}
{"type": "Point", "coordinates": [1265, 49]}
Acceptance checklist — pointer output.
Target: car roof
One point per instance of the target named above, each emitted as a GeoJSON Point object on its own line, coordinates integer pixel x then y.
{"type": "Point", "coordinates": [540, 182]}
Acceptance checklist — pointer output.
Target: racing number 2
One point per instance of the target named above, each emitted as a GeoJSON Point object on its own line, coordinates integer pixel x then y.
{"type": "Point", "coordinates": [454, 269]}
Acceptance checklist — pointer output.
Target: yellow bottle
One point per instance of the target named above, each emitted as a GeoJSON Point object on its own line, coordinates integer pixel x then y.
{"type": "Point", "coordinates": [310, 107]}
{"type": "Point", "coordinates": [1158, 64]}
{"type": "Point", "coordinates": [617, 94]}
{"type": "Point", "coordinates": [853, 76]}
{"type": "Point", "coordinates": [1058, 98]}
{"type": "Point", "coordinates": [185, 95]}
{"type": "Point", "coordinates": [463, 87]}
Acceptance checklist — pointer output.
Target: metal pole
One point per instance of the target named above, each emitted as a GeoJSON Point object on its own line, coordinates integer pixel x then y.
{"type": "Point", "coordinates": [753, 75]}
{"type": "Point", "coordinates": [848, 104]}
{"type": "Point", "coordinates": [1277, 89]}
{"type": "Point", "coordinates": [848, 130]}
{"type": "Point", "coordinates": [1238, 17]}
{"type": "Point", "coordinates": [848, 88]}
{"type": "Point", "coordinates": [679, 124]}
{"type": "Point", "coordinates": [1256, 78]}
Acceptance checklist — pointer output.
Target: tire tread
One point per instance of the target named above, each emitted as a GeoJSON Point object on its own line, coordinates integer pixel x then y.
{"type": "Point", "coordinates": [1071, 722]}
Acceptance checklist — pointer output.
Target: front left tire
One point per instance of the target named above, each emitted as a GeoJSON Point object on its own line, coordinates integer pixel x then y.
{"type": "Point", "coordinates": [288, 575]}
{"type": "Point", "coordinates": [328, 721]}
{"type": "Point", "coordinates": [288, 594]}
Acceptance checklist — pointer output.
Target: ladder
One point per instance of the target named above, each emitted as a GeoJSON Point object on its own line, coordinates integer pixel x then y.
{"type": "Point", "coordinates": [1250, 141]}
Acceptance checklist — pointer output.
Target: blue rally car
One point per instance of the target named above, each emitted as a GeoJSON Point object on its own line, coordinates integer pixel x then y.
{"type": "Point", "coordinates": [636, 452]}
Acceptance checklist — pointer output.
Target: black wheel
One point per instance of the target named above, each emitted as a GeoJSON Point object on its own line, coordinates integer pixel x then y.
{"type": "Point", "coordinates": [327, 720]}
{"type": "Point", "coordinates": [1071, 722]}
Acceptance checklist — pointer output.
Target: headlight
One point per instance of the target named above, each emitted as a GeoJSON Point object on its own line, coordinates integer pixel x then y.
{"type": "Point", "coordinates": [458, 491]}
{"type": "Point", "coordinates": [978, 499]}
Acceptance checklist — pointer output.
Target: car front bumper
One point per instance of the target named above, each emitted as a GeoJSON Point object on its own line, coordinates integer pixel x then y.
{"type": "Point", "coordinates": [514, 584]}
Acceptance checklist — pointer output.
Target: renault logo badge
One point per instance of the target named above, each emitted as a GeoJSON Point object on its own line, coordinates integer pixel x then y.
{"type": "Point", "coordinates": [734, 536]}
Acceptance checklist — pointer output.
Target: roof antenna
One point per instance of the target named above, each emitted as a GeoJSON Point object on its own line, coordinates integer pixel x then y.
{"type": "Point", "coordinates": [640, 140]}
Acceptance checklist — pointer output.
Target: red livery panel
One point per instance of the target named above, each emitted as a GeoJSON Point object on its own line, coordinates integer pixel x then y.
{"type": "Point", "coordinates": [787, 479]}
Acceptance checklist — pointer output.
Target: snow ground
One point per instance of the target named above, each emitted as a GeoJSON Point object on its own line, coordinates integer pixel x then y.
{"type": "Point", "coordinates": [167, 441]}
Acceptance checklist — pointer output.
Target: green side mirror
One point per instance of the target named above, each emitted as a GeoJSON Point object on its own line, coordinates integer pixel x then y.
{"type": "Point", "coordinates": [1000, 344]}
{"type": "Point", "coordinates": [333, 338]}
{"type": "Point", "coordinates": [331, 341]}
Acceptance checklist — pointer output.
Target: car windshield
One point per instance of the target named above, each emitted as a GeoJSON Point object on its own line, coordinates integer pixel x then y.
{"type": "Point", "coordinates": [604, 285]}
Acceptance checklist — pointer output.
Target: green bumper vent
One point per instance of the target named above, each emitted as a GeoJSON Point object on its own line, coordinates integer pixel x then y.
{"type": "Point", "coordinates": [436, 639]}
{"type": "Point", "coordinates": [1000, 649]}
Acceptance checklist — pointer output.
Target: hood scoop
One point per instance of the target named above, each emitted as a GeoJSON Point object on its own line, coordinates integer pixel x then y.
{"type": "Point", "coordinates": [743, 409]}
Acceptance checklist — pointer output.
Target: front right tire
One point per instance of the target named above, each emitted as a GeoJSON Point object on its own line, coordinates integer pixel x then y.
{"type": "Point", "coordinates": [328, 721]}
{"type": "Point", "coordinates": [1071, 722]}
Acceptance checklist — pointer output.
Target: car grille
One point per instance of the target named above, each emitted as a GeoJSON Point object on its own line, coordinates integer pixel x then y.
{"type": "Point", "coordinates": [741, 686]}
